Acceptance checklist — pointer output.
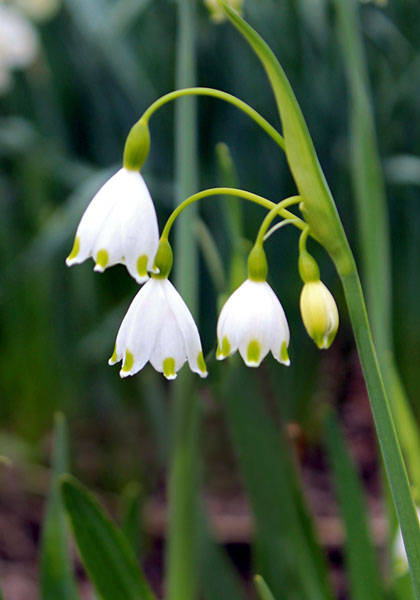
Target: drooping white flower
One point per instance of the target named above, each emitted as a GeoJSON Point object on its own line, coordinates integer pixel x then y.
{"type": "Point", "coordinates": [159, 328]}
{"type": "Point", "coordinates": [253, 321]}
{"type": "Point", "coordinates": [319, 313]}
{"type": "Point", "coordinates": [18, 43]}
{"type": "Point", "coordinates": [119, 226]}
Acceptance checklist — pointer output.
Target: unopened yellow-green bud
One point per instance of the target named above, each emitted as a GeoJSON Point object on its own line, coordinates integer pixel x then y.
{"type": "Point", "coordinates": [308, 267]}
{"type": "Point", "coordinates": [137, 146]}
{"type": "Point", "coordinates": [319, 313]}
{"type": "Point", "coordinates": [257, 264]}
{"type": "Point", "coordinates": [163, 260]}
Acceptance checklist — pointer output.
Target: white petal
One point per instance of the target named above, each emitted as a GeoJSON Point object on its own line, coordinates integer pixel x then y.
{"type": "Point", "coordinates": [169, 346]}
{"type": "Point", "coordinates": [95, 216]}
{"type": "Point", "coordinates": [139, 329]}
{"type": "Point", "coordinates": [139, 227]}
{"type": "Point", "coordinates": [226, 324]}
{"type": "Point", "coordinates": [259, 322]}
{"type": "Point", "coordinates": [187, 327]}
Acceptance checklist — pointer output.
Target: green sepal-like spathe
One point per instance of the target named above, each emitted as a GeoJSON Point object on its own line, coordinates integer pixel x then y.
{"type": "Point", "coordinates": [105, 551]}
{"type": "Point", "coordinates": [318, 204]}
{"type": "Point", "coordinates": [137, 146]}
{"type": "Point", "coordinates": [308, 267]}
{"type": "Point", "coordinates": [257, 264]}
{"type": "Point", "coordinates": [163, 259]}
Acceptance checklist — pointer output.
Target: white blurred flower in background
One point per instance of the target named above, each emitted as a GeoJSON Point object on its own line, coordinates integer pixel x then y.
{"type": "Point", "coordinates": [19, 41]}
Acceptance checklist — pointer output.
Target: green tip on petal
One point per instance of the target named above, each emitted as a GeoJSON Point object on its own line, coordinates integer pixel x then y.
{"type": "Point", "coordinates": [169, 368]}
{"type": "Point", "coordinates": [253, 353]}
{"type": "Point", "coordinates": [128, 362]}
{"type": "Point", "coordinates": [102, 259]}
{"type": "Point", "coordinates": [224, 349]}
{"type": "Point", "coordinates": [330, 338]}
{"type": "Point", "coordinates": [114, 357]}
{"type": "Point", "coordinates": [201, 363]}
{"type": "Point", "coordinates": [75, 249]}
{"type": "Point", "coordinates": [142, 265]}
{"type": "Point", "coordinates": [284, 355]}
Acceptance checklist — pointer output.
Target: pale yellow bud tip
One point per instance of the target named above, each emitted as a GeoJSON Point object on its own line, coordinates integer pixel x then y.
{"type": "Point", "coordinates": [319, 313]}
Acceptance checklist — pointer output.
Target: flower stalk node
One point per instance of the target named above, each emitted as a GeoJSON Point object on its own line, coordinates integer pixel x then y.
{"type": "Point", "coordinates": [137, 146]}
{"type": "Point", "coordinates": [308, 267]}
{"type": "Point", "coordinates": [257, 264]}
{"type": "Point", "coordinates": [163, 260]}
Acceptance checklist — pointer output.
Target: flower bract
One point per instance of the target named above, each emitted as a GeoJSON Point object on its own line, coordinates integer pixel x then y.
{"type": "Point", "coordinates": [253, 321]}
{"type": "Point", "coordinates": [119, 226]}
{"type": "Point", "coordinates": [319, 313]}
{"type": "Point", "coordinates": [159, 328]}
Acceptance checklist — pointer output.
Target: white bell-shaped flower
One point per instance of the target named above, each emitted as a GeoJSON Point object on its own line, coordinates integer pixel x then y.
{"type": "Point", "coordinates": [253, 321]}
{"type": "Point", "coordinates": [119, 226]}
{"type": "Point", "coordinates": [159, 328]}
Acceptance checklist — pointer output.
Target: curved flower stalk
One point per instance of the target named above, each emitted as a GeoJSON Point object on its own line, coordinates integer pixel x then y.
{"type": "Point", "coordinates": [253, 322]}
{"type": "Point", "coordinates": [158, 328]}
{"type": "Point", "coordinates": [119, 226]}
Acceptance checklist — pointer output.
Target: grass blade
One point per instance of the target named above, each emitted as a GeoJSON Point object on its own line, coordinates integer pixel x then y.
{"type": "Point", "coordinates": [217, 576]}
{"type": "Point", "coordinates": [362, 563]}
{"type": "Point", "coordinates": [130, 525]}
{"type": "Point", "coordinates": [57, 579]}
{"type": "Point", "coordinates": [106, 554]}
{"type": "Point", "coordinates": [285, 555]}
{"type": "Point", "coordinates": [262, 588]}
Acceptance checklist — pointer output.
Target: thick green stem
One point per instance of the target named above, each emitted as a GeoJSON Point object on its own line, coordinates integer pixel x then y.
{"type": "Point", "coordinates": [385, 428]}
{"type": "Point", "coordinates": [203, 91]}
{"type": "Point", "coordinates": [183, 477]}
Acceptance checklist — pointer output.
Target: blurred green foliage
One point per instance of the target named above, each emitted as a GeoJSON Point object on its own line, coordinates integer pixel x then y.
{"type": "Point", "coordinates": [62, 129]}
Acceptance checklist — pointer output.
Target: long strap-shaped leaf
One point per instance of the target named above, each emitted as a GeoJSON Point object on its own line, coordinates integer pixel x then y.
{"type": "Point", "coordinates": [105, 552]}
{"type": "Point", "coordinates": [362, 563]}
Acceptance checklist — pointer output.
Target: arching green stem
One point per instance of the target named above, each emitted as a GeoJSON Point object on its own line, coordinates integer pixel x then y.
{"type": "Point", "coordinates": [241, 194]}
{"type": "Point", "coordinates": [278, 226]}
{"type": "Point", "coordinates": [302, 239]}
{"type": "Point", "coordinates": [278, 209]}
{"type": "Point", "coordinates": [203, 91]}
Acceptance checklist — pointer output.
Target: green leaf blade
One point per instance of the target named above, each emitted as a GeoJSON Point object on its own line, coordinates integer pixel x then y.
{"type": "Point", "coordinates": [104, 550]}
{"type": "Point", "coordinates": [57, 580]}
{"type": "Point", "coordinates": [362, 563]}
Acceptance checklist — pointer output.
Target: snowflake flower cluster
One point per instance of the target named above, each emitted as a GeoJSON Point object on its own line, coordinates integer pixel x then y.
{"type": "Point", "coordinates": [120, 226]}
